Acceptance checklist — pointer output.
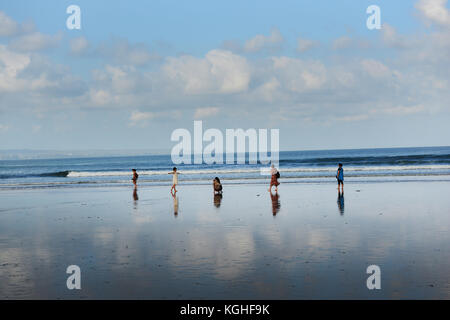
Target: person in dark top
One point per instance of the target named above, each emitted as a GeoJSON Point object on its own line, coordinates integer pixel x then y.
{"type": "Point", "coordinates": [217, 186]}
{"type": "Point", "coordinates": [135, 176]}
{"type": "Point", "coordinates": [340, 177]}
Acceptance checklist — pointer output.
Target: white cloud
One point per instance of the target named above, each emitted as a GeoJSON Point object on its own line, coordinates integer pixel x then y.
{"type": "Point", "coordinates": [29, 74]}
{"type": "Point", "coordinates": [100, 97]}
{"type": "Point", "coordinates": [35, 41]}
{"type": "Point", "coordinates": [337, 86]}
{"type": "Point", "coordinates": [142, 118]}
{"type": "Point", "coordinates": [269, 90]}
{"type": "Point", "coordinates": [4, 127]}
{"type": "Point", "coordinates": [347, 42]}
{"type": "Point", "coordinates": [206, 112]}
{"type": "Point", "coordinates": [299, 75]}
{"type": "Point", "coordinates": [375, 68]}
{"type": "Point", "coordinates": [79, 45]}
{"type": "Point", "coordinates": [392, 39]}
{"type": "Point", "coordinates": [404, 110]}
{"type": "Point", "coordinates": [11, 28]}
{"type": "Point", "coordinates": [138, 117]}
{"type": "Point", "coordinates": [353, 118]}
{"type": "Point", "coordinates": [120, 51]}
{"type": "Point", "coordinates": [434, 11]}
{"type": "Point", "coordinates": [304, 45]}
{"type": "Point", "coordinates": [11, 64]}
{"type": "Point", "coordinates": [119, 86]}
{"type": "Point", "coordinates": [342, 43]}
{"type": "Point", "coordinates": [123, 79]}
{"type": "Point", "coordinates": [8, 27]}
{"type": "Point", "coordinates": [261, 42]}
{"type": "Point", "coordinates": [220, 71]}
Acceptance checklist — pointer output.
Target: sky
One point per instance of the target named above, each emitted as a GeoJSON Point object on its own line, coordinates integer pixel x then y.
{"type": "Point", "coordinates": [136, 71]}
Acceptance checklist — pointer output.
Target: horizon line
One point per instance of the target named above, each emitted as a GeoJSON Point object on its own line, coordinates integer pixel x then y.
{"type": "Point", "coordinates": [41, 153]}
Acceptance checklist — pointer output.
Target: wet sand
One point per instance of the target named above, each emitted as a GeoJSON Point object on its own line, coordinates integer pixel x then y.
{"type": "Point", "coordinates": [305, 244]}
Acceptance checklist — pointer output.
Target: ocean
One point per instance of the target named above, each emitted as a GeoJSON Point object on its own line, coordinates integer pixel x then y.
{"type": "Point", "coordinates": [360, 165]}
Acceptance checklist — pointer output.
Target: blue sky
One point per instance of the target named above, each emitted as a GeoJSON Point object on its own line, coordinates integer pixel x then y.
{"type": "Point", "coordinates": [137, 70]}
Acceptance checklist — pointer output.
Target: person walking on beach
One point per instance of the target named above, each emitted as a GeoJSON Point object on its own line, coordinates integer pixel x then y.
{"type": "Point", "coordinates": [135, 176]}
{"type": "Point", "coordinates": [340, 177]}
{"type": "Point", "coordinates": [274, 180]}
{"type": "Point", "coordinates": [174, 180]}
{"type": "Point", "coordinates": [217, 186]}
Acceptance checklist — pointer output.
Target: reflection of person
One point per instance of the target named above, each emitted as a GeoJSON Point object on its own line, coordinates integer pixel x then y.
{"type": "Point", "coordinates": [175, 205]}
{"type": "Point", "coordinates": [135, 198]}
{"type": "Point", "coordinates": [135, 194]}
{"type": "Point", "coordinates": [274, 180]}
{"type": "Point", "coordinates": [217, 199]}
{"type": "Point", "coordinates": [174, 180]}
{"type": "Point", "coordinates": [275, 203]}
{"type": "Point", "coordinates": [340, 202]}
{"type": "Point", "coordinates": [217, 186]}
{"type": "Point", "coordinates": [135, 176]}
{"type": "Point", "coordinates": [340, 177]}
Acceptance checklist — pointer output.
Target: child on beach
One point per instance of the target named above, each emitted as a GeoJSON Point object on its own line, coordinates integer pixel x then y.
{"type": "Point", "coordinates": [135, 176]}
{"type": "Point", "coordinates": [174, 180]}
{"type": "Point", "coordinates": [274, 180]}
{"type": "Point", "coordinates": [340, 177]}
{"type": "Point", "coordinates": [217, 186]}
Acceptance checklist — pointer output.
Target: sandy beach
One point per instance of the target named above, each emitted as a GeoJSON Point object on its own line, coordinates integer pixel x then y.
{"type": "Point", "coordinates": [314, 246]}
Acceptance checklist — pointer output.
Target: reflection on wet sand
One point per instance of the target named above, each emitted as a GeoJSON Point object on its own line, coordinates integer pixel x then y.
{"type": "Point", "coordinates": [240, 253]}
{"type": "Point", "coordinates": [135, 194]}
{"type": "Point", "coordinates": [135, 197]}
{"type": "Point", "coordinates": [175, 204]}
{"type": "Point", "coordinates": [217, 200]}
{"type": "Point", "coordinates": [275, 203]}
{"type": "Point", "coordinates": [340, 202]}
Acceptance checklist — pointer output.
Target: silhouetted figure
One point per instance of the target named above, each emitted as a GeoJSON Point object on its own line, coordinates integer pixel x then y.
{"type": "Point", "coordinates": [340, 202]}
{"type": "Point", "coordinates": [275, 203]}
{"type": "Point", "coordinates": [340, 177]}
{"type": "Point", "coordinates": [217, 186]}
{"type": "Point", "coordinates": [175, 204]}
{"type": "Point", "coordinates": [274, 178]}
{"type": "Point", "coordinates": [217, 199]}
{"type": "Point", "coordinates": [135, 176]}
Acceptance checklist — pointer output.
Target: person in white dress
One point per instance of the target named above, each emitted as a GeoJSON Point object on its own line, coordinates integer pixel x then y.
{"type": "Point", "coordinates": [174, 180]}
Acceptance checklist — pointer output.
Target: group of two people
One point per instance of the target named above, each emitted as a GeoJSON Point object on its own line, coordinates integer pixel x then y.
{"type": "Point", "coordinates": [217, 186]}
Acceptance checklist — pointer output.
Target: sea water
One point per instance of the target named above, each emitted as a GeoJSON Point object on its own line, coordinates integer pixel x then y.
{"type": "Point", "coordinates": [360, 165]}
